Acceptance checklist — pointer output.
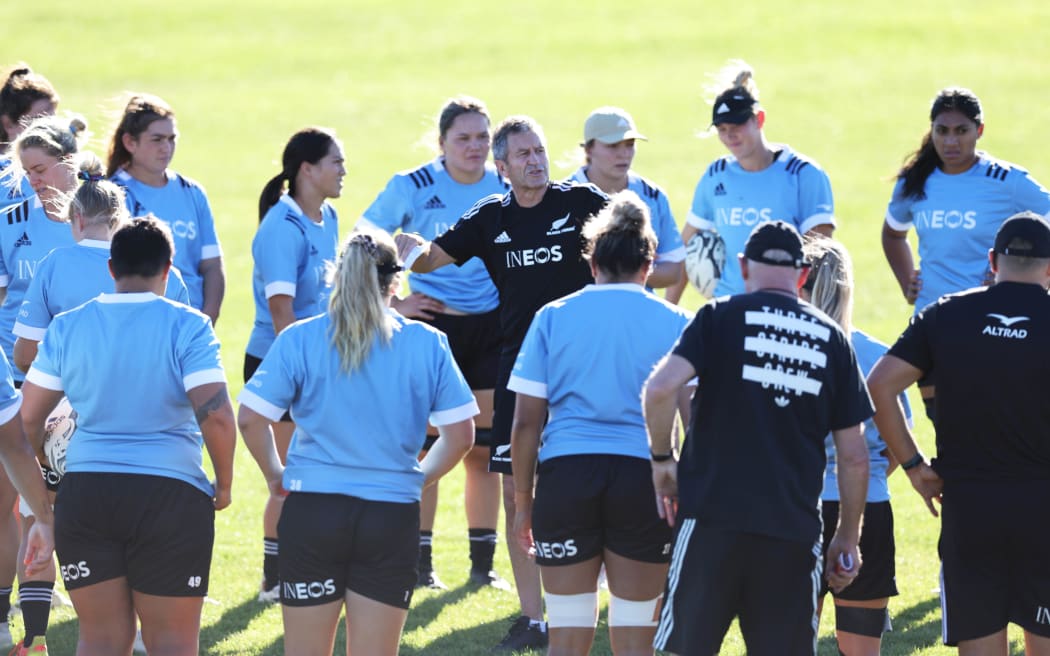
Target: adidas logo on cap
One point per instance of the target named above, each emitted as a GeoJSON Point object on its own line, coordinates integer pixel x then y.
{"type": "Point", "coordinates": [722, 109]}
{"type": "Point", "coordinates": [503, 238]}
{"type": "Point", "coordinates": [434, 204]}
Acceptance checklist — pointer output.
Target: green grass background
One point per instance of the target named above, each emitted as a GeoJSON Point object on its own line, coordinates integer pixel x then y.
{"type": "Point", "coordinates": [847, 83]}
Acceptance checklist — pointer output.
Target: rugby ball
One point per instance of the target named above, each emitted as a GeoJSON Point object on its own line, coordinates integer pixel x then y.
{"type": "Point", "coordinates": [705, 259]}
{"type": "Point", "coordinates": [59, 428]}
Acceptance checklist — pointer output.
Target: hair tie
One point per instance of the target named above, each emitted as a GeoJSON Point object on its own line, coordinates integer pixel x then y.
{"type": "Point", "coordinates": [366, 242]}
{"type": "Point", "coordinates": [73, 128]}
{"type": "Point", "coordinates": [90, 177]}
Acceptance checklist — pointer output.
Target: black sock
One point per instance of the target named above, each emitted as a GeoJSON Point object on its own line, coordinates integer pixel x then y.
{"type": "Point", "coordinates": [270, 571]}
{"type": "Point", "coordinates": [425, 538]}
{"type": "Point", "coordinates": [35, 599]}
{"type": "Point", "coordinates": [482, 548]}
{"type": "Point", "coordinates": [5, 603]}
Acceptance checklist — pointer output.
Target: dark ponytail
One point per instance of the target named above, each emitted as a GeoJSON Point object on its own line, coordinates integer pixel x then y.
{"type": "Point", "coordinates": [307, 145]}
{"type": "Point", "coordinates": [922, 162]}
{"type": "Point", "coordinates": [620, 240]}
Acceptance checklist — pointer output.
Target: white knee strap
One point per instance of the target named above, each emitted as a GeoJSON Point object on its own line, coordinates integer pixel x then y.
{"type": "Point", "coordinates": [572, 611]}
{"type": "Point", "coordinates": [623, 612]}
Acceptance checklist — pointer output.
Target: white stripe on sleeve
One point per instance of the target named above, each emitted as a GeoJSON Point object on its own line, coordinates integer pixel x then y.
{"type": "Point", "coordinates": [526, 386]}
{"type": "Point", "coordinates": [260, 405]}
{"type": "Point", "coordinates": [203, 377]}
{"type": "Point", "coordinates": [451, 416]}
{"type": "Point", "coordinates": [279, 288]}
{"type": "Point", "coordinates": [47, 381]}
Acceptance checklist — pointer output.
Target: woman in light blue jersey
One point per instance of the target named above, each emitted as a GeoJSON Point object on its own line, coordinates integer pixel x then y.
{"type": "Point", "coordinates": [24, 96]}
{"type": "Point", "coordinates": [593, 498]}
{"type": "Point", "coordinates": [955, 197]}
{"type": "Point", "coordinates": [292, 249]}
{"type": "Point", "coordinates": [135, 512]}
{"type": "Point", "coordinates": [361, 382]}
{"type": "Point", "coordinates": [140, 155]}
{"type": "Point", "coordinates": [758, 181]}
{"type": "Point", "coordinates": [609, 137]}
{"type": "Point", "coordinates": [71, 275]}
{"type": "Point", "coordinates": [861, 614]}
{"type": "Point", "coordinates": [462, 302]}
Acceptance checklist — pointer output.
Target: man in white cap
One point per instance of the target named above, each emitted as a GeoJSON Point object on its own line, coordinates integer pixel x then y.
{"type": "Point", "coordinates": [609, 136]}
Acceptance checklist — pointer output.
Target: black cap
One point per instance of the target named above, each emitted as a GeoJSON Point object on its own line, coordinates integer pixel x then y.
{"type": "Point", "coordinates": [735, 106]}
{"type": "Point", "coordinates": [775, 236]}
{"type": "Point", "coordinates": [1026, 226]}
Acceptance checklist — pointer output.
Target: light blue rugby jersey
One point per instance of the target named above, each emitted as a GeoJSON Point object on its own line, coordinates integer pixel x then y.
{"type": "Point", "coordinates": [104, 355]}
{"type": "Point", "coordinates": [868, 350]}
{"type": "Point", "coordinates": [183, 205]}
{"type": "Point", "coordinates": [14, 187]}
{"type": "Point", "coordinates": [26, 236]}
{"type": "Point", "coordinates": [733, 201]}
{"type": "Point", "coordinates": [70, 276]}
{"type": "Point", "coordinates": [669, 246]}
{"type": "Point", "coordinates": [360, 433]}
{"type": "Point", "coordinates": [592, 379]}
{"type": "Point", "coordinates": [957, 219]}
{"type": "Point", "coordinates": [291, 256]}
{"type": "Point", "coordinates": [428, 201]}
{"type": "Point", "coordinates": [10, 397]}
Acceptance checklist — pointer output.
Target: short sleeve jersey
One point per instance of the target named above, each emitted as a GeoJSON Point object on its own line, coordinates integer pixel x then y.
{"type": "Point", "coordinates": [532, 254]}
{"type": "Point", "coordinates": [428, 201]}
{"type": "Point", "coordinates": [669, 246]}
{"type": "Point", "coordinates": [359, 433]}
{"type": "Point", "coordinates": [126, 362]}
{"type": "Point", "coordinates": [775, 376]}
{"type": "Point", "coordinates": [14, 188]}
{"type": "Point", "coordinates": [989, 348]}
{"type": "Point", "coordinates": [956, 219]}
{"type": "Point", "coordinates": [70, 276]}
{"type": "Point", "coordinates": [183, 205]}
{"type": "Point", "coordinates": [26, 236]}
{"type": "Point", "coordinates": [10, 397]}
{"type": "Point", "coordinates": [592, 379]}
{"type": "Point", "coordinates": [292, 254]}
{"type": "Point", "coordinates": [732, 201]}
{"type": "Point", "coordinates": [868, 350]}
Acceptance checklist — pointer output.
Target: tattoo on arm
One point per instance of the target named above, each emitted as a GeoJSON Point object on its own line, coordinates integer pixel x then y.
{"type": "Point", "coordinates": [211, 405]}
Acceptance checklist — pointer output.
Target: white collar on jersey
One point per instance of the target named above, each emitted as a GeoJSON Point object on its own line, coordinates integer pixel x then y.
{"type": "Point", "coordinates": [287, 199]}
{"type": "Point", "coordinates": [615, 286]}
{"type": "Point", "coordinates": [93, 243]}
{"type": "Point", "coordinates": [128, 297]}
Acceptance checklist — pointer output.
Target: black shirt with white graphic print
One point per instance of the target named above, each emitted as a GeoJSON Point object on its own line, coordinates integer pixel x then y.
{"type": "Point", "coordinates": [775, 376]}
{"type": "Point", "coordinates": [532, 254]}
{"type": "Point", "coordinates": [991, 349]}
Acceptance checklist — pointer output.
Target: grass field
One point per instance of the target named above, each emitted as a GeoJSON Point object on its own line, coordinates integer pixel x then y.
{"type": "Point", "coordinates": [846, 83]}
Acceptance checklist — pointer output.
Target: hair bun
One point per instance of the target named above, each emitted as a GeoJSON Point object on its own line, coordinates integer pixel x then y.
{"type": "Point", "coordinates": [77, 125]}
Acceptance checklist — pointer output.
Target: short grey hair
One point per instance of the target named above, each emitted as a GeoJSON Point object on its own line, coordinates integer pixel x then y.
{"type": "Point", "coordinates": [513, 125]}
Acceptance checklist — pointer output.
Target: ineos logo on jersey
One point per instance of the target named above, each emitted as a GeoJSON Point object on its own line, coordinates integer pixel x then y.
{"type": "Point", "coordinates": [950, 219]}
{"type": "Point", "coordinates": [309, 589]}
{"type": "Point", "coordinates": [565, 549]}
{"type": "Point", "coordinates": [184, 229]}
{"type": "Point", "coordinates": [75, 571]}
{"type": "Point", "coordinates": [743, 216]}
{"type": "Point", "coordinates": [532, 256]}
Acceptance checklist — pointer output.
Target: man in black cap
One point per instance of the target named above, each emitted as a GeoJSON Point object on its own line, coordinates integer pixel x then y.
{"type": "Point", "coordinates": [991, 350]}
{"type": "Point", "coordinates": [775, 376]}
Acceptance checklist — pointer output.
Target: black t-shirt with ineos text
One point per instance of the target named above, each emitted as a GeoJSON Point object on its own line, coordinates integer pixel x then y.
{"type": "Point", "coordinates": [532, 254]}
{"type": "Point", "coordinates": [775, 376]}
{"type": "Point", "coordinates": [991, 350]}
